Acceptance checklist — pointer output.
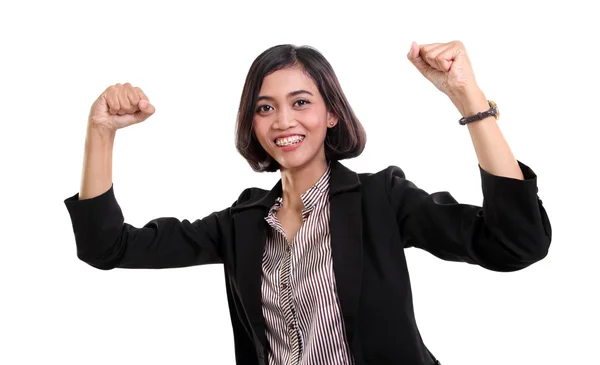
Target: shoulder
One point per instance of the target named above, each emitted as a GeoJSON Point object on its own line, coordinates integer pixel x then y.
{"type": "Point", "coordinates": [250, 197]}
{"type": "Point", "coordinates": [386, 176]}
{"type": "Point", "coordinates": [390, 184]}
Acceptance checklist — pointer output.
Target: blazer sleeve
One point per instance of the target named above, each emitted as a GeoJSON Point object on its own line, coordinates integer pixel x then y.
{"type": "Point", "coordinates": [509, 232]}
{"type": "Point", "coordinates": [105, 241]}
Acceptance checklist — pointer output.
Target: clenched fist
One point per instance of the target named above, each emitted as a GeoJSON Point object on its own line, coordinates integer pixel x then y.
{"type": "Point", "coordinates": [120, 106]}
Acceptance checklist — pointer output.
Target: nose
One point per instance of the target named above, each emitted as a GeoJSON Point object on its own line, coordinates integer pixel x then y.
{"type": "Point", "coordinates": [284, 119]}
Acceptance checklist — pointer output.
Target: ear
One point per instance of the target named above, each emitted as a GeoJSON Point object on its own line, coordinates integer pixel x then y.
{"type": "Point", "coordinates": [332, 120]}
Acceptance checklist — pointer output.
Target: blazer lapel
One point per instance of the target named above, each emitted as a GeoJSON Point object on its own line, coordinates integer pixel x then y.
{"type": "Point", "coordinates": [346, 247]}
{"type": "Point", "coordinates": [346, 241]}
{"type": "Point", "coordinates": [250, 234]}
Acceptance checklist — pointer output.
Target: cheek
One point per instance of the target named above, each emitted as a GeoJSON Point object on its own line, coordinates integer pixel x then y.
{"type": "Point", "coordinates": [260, 131]}
{"type": "Point", "coordinates": [320, 129]}
{"type": "Point", "coordinates": [315, 123]}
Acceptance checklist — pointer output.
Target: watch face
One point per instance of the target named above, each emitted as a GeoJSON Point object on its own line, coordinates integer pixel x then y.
{"type": "Point", "coordinates": [496, 110]}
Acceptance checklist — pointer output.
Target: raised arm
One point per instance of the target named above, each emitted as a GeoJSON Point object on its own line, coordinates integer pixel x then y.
{"type": "Point", "coordinates": [509, 232]}
{"type": "Point", "coordinates": [119, 106]}
{"type": "Point", "coordinates": [105, 241]}
{"type": "Point", "coordinates": [102, 237]}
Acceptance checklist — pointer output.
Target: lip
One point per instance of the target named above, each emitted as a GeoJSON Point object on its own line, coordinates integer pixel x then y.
{"type": "Point", "coordinates": [291, 147]}
{"type": "Point", "coordinates": [288, 135]}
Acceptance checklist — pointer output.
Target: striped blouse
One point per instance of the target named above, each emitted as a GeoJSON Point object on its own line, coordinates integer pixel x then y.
{"type": "Point", "coordinates": [299, 300]}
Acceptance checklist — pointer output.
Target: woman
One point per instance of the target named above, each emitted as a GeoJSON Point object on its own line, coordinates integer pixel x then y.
{"type": "Point", "coordinates": [315, 267]}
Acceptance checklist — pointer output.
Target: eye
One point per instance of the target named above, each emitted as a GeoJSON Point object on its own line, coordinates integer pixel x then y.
{"type": "Point", "coordinates": [260, 108]}
{"type": "Point", "coordinates": [303, 101]}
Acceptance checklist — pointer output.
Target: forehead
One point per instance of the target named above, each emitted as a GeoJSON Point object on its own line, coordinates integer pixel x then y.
{"type": "Point", "coordinates": [281, 82]}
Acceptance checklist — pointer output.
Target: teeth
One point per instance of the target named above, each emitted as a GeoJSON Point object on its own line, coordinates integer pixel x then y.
{"type": "Point", "coordinates": [287, 141]}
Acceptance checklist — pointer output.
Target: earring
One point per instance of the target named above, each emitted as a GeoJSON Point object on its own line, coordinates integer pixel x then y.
{"type": "Point", "coordinates": [331, 124]}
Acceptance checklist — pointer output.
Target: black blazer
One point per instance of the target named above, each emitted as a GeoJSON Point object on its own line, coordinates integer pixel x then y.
{"type": "Point", "coordinates": [374, 217]}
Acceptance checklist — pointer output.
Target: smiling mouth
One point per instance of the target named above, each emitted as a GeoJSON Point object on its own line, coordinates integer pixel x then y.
{"type": "Point", "coordinates": [289, 141]}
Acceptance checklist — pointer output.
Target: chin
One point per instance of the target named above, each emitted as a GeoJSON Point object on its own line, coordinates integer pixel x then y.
{"type": "Point", "coordinates": [291, 161]}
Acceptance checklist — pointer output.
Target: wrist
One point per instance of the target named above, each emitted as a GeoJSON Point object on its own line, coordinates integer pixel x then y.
{"type": "Point", "coordinates": [470, 102]}
{"type": "Point", "coordinates": [96, 130]}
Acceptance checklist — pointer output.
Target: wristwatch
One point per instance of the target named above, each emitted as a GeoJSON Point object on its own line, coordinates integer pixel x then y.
{"type": "Point", "coordinates": [492, 111]}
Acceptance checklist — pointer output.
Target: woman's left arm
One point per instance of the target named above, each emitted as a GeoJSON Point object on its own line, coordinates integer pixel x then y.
{"type": "Point", "coordinates": [493, 153]}
{"type": "Point", "coordinates": [511, 230]}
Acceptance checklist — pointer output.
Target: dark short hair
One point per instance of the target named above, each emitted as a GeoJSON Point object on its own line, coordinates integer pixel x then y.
{"type": "Point", "coordinates": [346, 139]}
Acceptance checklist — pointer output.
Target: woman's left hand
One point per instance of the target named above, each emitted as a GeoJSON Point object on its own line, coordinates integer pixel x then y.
{"type": "Point", "coordinates": [448, 67]}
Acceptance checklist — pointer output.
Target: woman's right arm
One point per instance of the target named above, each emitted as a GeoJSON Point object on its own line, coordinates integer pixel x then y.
{"type": "Point", "coordinates": [119, 106]}
{"type": "Point", "coordinates": [105, 241]}
{"type": "Point", "coordinates": [102, 237]}
{"type": "Point", "coordinates": [97, 161]}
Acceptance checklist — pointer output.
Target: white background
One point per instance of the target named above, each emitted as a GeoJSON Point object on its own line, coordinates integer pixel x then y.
{"type": "Point", "coordinates": [538, 61]}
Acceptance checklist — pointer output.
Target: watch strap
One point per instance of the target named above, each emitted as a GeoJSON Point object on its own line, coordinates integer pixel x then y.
{"type": "Point", "coordinates": [492, 111]}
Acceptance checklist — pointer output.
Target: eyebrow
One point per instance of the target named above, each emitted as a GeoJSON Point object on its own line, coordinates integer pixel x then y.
{"type": "Point", "coordinates": [293, 93]}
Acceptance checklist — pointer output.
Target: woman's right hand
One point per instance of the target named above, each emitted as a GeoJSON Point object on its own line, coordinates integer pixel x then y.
{"type": "Point", "coordinates": [120, 106]}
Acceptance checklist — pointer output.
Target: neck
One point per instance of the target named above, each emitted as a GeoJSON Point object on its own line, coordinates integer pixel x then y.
{"type": "Point", "coordinates": [294, 182]}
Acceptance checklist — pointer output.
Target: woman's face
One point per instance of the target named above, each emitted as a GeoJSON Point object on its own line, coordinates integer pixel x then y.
{"type": "Point", "coordinates": [291, 119]}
